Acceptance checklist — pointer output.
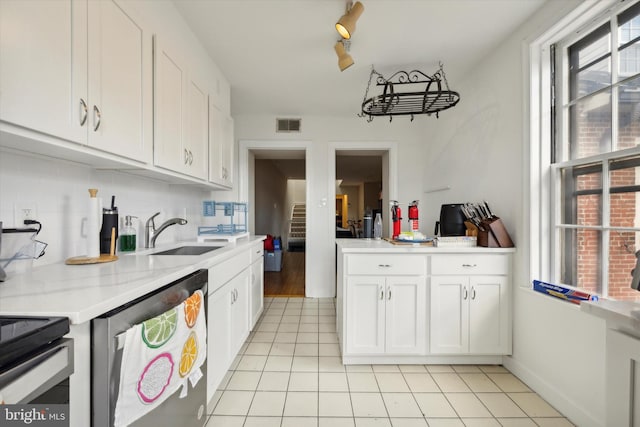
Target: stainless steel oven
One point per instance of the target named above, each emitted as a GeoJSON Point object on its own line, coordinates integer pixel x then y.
{"type": "Point", "coordinates": [35, 361]}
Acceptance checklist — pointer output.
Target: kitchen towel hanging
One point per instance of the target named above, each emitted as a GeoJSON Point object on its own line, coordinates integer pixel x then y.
{"type": "Point", "coordinates": [160, 355]}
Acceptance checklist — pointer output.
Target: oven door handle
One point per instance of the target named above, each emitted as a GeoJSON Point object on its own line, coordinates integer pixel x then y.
{"type": "Point", "coordinates": [37, 374]}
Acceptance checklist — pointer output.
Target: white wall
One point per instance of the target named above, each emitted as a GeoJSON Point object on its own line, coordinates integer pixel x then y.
{"type": "Point", "coordinates": [59, 190]}
{"type": "Point", "coordinates": [324, 132]}
{"type": "Point", "coordinates": [480, 150]}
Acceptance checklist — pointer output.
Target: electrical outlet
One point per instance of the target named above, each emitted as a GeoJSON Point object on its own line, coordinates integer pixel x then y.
{"type": "Point", "coordinates": [24, 211]}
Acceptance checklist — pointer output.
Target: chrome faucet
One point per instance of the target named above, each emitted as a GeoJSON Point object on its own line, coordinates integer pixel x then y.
{"type": "Point", "coordinates": [150, 232]}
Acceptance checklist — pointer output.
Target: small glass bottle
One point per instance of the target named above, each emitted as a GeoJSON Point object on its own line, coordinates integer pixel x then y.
{"type": "Point", "coordinates": [377, 227]}
{"type": "Point", "coordinates": [128, 235]}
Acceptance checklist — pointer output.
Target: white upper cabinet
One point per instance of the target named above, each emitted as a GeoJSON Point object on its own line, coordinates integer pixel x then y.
{"type": "Point", "coordinates": [181, 114]}
{"type": "Point", "coordinates": [119, 80]}
{"type": "Point", "coordinates": [43, 66]}
{"type": "Point", "coordinates": [221, 146]}
{"type": "Point", "coordinates": [77, 70]}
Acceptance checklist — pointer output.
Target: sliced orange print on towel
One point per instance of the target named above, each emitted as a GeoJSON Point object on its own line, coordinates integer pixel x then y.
{"type": "Point", "coordinates": [192, 308]}
{"type": "Point", "coordinates": [189, 355]}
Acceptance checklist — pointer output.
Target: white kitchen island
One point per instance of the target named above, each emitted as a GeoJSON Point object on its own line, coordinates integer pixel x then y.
{"type": "Point", "coordinates": [422, 304]}
{"type": "Point", "coordinates": [84, 292]}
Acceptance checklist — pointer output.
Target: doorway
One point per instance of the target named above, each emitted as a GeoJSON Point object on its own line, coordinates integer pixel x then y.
{"type": "Point", "coordinates": [279, 182]}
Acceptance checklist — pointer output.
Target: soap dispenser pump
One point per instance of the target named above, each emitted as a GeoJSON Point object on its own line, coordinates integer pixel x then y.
{"type": "Point", "coordinates": [128, 235]}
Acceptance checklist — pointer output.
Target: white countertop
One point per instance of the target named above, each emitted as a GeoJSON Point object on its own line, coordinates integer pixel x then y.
{"type": "Point", "coordinates": [383, 246]}
{"type": "Point", "coordinates": [619, 314]}
{"type": "Point", "coordinates": [82, 292]}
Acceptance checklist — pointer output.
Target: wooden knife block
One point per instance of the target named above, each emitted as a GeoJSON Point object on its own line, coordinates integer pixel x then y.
{"type": "Point", "coordinates": [494, 235]}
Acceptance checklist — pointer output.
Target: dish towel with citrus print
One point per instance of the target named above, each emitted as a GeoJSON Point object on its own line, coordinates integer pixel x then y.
{"type": "Point", "coordinates": [160, 355]}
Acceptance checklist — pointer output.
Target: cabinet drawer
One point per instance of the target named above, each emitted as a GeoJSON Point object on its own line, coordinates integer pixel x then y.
{"type": "Point", "coordinates": [221, 273]}
{"type": "Point", "coordinates": [387, 264]}
{"type": "Point", "coordinates": [470, 264]}
{"type": "Point", "coordinates": [257, 252]}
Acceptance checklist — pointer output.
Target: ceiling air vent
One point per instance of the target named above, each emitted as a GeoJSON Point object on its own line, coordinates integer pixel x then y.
{"type": "Point", "coordinates": [288, 125]}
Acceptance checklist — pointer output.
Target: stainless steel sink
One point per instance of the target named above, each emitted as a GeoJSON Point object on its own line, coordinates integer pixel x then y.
{"type": "Point", "coordinates": [188, 250]}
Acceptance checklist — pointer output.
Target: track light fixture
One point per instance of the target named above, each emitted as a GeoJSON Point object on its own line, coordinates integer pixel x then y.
{"type": "Point", "coordinates": [344, 59]}
{"type": "Point", "coordinates": [346, 25]}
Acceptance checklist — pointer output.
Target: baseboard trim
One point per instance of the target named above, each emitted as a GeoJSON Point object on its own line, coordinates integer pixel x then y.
{"type": "Point", "coordinates": [577, 414]}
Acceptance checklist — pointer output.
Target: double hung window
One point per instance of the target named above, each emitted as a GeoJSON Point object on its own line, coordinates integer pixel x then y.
{"type": "Point", "coordinates": [595, 155]}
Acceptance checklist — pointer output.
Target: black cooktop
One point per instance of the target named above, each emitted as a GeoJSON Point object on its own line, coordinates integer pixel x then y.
{"type": "Point", "coordinates": [20, 336]}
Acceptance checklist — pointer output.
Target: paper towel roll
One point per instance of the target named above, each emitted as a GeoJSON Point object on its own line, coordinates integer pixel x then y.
{"type": "Point", "coordinates": [93, 225]}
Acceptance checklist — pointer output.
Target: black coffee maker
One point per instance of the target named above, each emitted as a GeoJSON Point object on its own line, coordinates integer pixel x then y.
{"type": "Point", "coordinates": [451, 220]}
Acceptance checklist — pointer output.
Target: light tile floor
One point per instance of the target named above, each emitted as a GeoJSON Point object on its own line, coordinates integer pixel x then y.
{"type": "Point", "coordinates": [289, 374]}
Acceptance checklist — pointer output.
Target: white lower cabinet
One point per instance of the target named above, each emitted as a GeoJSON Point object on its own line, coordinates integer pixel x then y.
{"type": "Point", "coordinates": [421, 307]}
{"type": "Point", "coordinates": [228, 327]}
{"type": "Point", "coordinates": [469, 314]}
{"type": "Point", "coordinates": [256, 302]}
{"type": "Point", "coordinates": [385, 314]}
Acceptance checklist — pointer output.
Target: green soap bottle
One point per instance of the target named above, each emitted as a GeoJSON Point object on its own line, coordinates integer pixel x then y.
{"type": "Point", "coordinates": [128, 235]}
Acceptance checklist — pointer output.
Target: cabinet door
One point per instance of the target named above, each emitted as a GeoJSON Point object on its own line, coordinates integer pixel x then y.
{"type": "Point", "coordinates": [228, 148]}
{"type": "Point", "coordinates": [488, 315]}
{"type": "Point", "coordinates": [197, 142]}
{"type": "Point", "coordinates": [257, 291]}
{"type": "Point", "coordinates": [215, 143]}
{"type": "Point", "coordinates": [405, 314]}
{"type": "Point", "coordinates": [43, 66]}
{"type": "Point", "coordinates": [170, 77]}
{"type": "Point", "coordinates": [118, 80]}
{"type": "Point", "coordinates": [240, 310]}
{"type": "Point", "coordinates": [219, 355]}
{"type": "Point", "coordinates": [449, 314]}
{"type": "Point", "coordinates": [365, 315]}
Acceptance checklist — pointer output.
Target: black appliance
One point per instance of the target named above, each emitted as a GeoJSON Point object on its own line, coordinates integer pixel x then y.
{"type": "Point", "coordinates": [35, 361]}
{"type": "Point", "coordinates": [451, 220]}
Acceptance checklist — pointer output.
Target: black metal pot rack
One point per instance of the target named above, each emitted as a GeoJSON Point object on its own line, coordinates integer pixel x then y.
{"type": "Point", "coordinates": [427, 97]}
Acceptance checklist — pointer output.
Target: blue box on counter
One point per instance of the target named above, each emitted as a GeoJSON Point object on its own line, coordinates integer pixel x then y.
{"type": "Point", "coordinates": [565, 292]}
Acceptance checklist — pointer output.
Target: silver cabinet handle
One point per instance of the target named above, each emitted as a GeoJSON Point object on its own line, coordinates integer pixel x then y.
{"type": "Point", "coordinates": [97, 116]}
{"type": "Point", "coordinates": [190, 157]}
{"type": "Point", "coordinates": [84, 112]}
{"type": "Point", "coordinates": [384, 265]}
{"type": "Point", "coordinates": [473, 293]}
{"type": "Point", "coordinates": [236, 291]}
{"type": "Point", "coordinates": [469, 265]}
{"type": "Point", "coordinates": [388, 292]}
{"type": "Point", "coordinates": [186, 156]}
{"type": "Point", "coordinates": [381, 293]}
{"type": "Point", "coordinates": [232, 297]}
{"type": "Point", "coordinates": [465, 293]}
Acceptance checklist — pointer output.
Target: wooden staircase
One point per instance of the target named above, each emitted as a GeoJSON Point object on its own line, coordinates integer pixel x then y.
{"type": "Point", "coordinates": [297, 228]}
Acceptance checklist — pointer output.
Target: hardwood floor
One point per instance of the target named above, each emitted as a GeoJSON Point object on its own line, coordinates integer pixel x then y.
{"type": "Point", "coordinates": [289, 281]}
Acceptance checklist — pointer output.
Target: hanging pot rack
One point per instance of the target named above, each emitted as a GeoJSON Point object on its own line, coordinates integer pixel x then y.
{"type": "Point", "coordinates": [423, 94]}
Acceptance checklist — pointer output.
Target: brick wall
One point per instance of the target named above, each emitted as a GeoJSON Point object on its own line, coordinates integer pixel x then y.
{"type": "Point", "coordinates": [594, 139]}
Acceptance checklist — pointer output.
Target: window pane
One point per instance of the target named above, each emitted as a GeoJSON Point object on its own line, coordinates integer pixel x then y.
{"type": "Point", "coordinates": [582, 196]}
{"type": "Point", "coordinates": [582, 254]}
{"type": "Point", "coordinates": [590, 63]}
{"type": "Point", "coordinates": [624, 181]}
{"type": "Point", "coordinates": [622, 260]}
{"type": "Point", "coordinates": [591, 79]}
{"type": "Point", "coordinates": [629, 61]}
{"type": "Point", "coordinates": [629, 114]}
{"type": "Point", "coordinates": [629, 25]}
{"type": "Point", "coordinates": [590, 130]}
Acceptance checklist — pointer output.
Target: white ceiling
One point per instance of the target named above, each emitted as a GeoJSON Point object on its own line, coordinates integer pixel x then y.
{"type": "Point", "coordinates": [279, 59]}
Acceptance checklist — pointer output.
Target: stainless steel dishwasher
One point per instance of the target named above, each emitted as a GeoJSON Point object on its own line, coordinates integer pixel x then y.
{"type": "Point", "coordinates": [107, 357]}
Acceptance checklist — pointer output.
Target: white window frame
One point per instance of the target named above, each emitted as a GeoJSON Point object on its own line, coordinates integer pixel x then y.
{"type": "Point", "coordinates": [544, 178]}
